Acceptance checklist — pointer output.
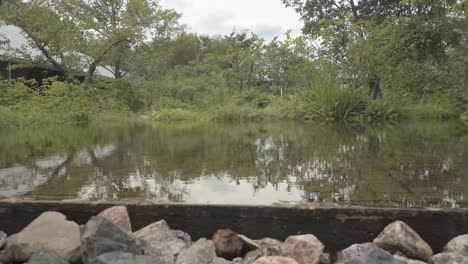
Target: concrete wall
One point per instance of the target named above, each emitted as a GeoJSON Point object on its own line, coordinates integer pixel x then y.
{"type": "Point", "coordinates": [337, 228]}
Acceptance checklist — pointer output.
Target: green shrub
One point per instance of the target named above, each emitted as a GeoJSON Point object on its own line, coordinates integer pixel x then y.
{"type": "Point", "coordinates": [332, 103]}
{"type": "Point", "coordinates": [9, 118]}
{"type": "Point", "coordinates": [173, 115]}
{"type": "Point", "coordinates": [390, 107]}
{"type": "Point", "coordinates": [234, 113]}
{"type": "Point", "coordinates": [287, 108]}
{"type": "Point", "coordinates": [434, 107]}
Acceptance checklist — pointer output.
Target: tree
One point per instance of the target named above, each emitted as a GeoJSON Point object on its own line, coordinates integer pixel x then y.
{"type": "Point", "coordinates": [350, 32]}
{"type": "Point", "coordinates": [76, 35]}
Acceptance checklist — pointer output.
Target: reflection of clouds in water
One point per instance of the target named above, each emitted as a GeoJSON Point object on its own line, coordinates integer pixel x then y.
{"type": "Point", "coordinates": [314, 170]}
{"type": "Point", "coordinates": [83, 157]}
{"type": "Point", "coordinates": [18, 180]}
{"type": "Point", "coordinates": [223, 190]}
{"type": "Point", "coordinates": [104, 151]}
{"type": "Point", "coordinates": [50, 162]}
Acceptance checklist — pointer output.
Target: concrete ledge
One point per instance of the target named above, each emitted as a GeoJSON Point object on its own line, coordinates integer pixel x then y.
{"type": "Point", "coordinates": [336, 227]}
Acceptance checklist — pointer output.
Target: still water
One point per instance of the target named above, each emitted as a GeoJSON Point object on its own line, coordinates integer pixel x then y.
{"type": "Point", "coordinates": [404, 165]}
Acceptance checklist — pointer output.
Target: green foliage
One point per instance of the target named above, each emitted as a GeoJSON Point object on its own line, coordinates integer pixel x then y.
{"type": "Point", "coordinates": [54, 102]}
{"type": "Point", "coordinates": [173, 115]}
{"type": "Point", "coordinates": [333, 103]}
{"type": "Point", "coordinates": [391, 107]}
{"type": "Point", "coordinates": [234, 113]}
{"type": "Point", "coordinates": [435, 108]}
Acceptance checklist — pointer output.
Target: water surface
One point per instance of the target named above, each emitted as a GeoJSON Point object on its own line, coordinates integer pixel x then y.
{"type": "Point", "coordinates": [404, 165]}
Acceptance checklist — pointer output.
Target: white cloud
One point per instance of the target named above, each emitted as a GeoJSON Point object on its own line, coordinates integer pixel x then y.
{"type": "Point", "coordinates": [267, 18]}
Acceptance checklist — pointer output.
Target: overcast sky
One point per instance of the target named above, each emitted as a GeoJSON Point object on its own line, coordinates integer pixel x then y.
{"type": "Point", "coordinates": [267, 18]}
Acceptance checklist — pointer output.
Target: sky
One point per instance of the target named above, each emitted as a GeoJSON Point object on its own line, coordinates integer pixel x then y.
{"type": "Point", "coordinates": [266, 18]}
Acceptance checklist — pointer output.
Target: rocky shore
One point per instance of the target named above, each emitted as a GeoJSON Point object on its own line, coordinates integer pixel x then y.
{"type": "Point", "coordinates": [108, 238]}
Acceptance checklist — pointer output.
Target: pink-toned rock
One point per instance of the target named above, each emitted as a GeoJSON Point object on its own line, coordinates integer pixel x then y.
{"type": "Point", "coordinates": [119, 216]}
{"type": "Point", "coordinates": [305, 249]}
{"type": "Point", "coordinates": [275, 260]}
{"type": "Point", "coordinates": [228, 244]}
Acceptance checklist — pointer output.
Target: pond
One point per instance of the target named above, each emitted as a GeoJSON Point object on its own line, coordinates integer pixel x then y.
{"type": "Point", "coordinates": [402, 165]}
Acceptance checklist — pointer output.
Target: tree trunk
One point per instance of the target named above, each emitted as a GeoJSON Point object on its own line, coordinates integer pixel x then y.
{"type": "Point", "coordinates": [90, 72]}
{"type": "Point", "coordinates": [118, 69]}
{"type": "Point", "coordinates": [375, 89]}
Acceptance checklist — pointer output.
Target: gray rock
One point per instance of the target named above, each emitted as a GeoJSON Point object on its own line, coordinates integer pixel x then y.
{"type": "Point", "coordinates": [3, 239]}
{"type": "Point", "coordinates": [458, 245]}
{"type": "Point", "coordinates": [119, 216]}
{"type": "Point", "coordinates": [46, 256]}
{"type": "Point", "coordinates": [221, 261]}
{"type": "Point", "coordinates": [158, 239]}
{"type": "Point", "coordinates": [275, 260]}
{"type": "Point", "coordinates": [305, 249]}
{"type": "Point", "coordinates": [238, 260]}
{"type": "Point", "coordinates": [448, 258]}
{"type": "Point", "coordinates": [127, 258]}
{"type": "Point", "coordinates": [376, 256]}
{"type": "Point", "coordinates": [325, 258]}
{"type": "Point", "coordinates": [399, 237]}
{"type": "Point", "coordinates": [252, 256]}
{"type": "Point", "coordinates": [50, 230]}
{"type": "Point", "coordinates": [264, 242]}
{"type": "Point", "coordinates": [354, 250]}
{"type": "Point", "coordinates": [202, 252]}
{"type": "Point", "coordinates": [400, 259]}
{"type": "Point", "coordinates": [101, 236]}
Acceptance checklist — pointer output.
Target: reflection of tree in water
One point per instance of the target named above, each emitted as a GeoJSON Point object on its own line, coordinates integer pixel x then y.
{"type": "Point", "coordinates": [408, 165]}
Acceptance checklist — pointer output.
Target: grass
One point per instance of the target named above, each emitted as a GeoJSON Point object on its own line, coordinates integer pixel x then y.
{"type": "Point", "coordinates": [434, 108]}
{"type": "Point", "coordinates": [173, 115]}
{"type": "Point", "coordinates": [58, 103]}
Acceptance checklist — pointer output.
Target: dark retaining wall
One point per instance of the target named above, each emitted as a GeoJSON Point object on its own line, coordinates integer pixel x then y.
{"type": "Point", "coordinates": [337, 228]}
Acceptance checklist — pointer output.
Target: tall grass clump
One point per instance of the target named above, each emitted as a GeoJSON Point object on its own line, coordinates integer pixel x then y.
{"type": "Point", "coordinates": [173, 115]}
{"type": "Point", "coordinates": [391, 107]}
{"type": "Point", "coordinates": [287, 108]}
{"type": "Point", "coordinates": [434, 107]}
{"type": "Point", "coordinates": [238, 114]}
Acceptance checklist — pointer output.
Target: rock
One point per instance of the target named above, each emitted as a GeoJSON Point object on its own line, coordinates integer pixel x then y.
{"type": "Point", "coordinates": [354, 250]}
{"type": "Point", "coordinates": [46, 256]}
{"type": "Point", "coordinates": [458, 245]}
{"type": "Point", "coordinates": [127, 258]}
{"type": "Point", "coordinates": [228, 244]}
{"type": "Point", "coordinates": [238, 260]}
{"type": "Point", "coordinates": [202, 252]}
{"type": "Point", "coordinates": [275, 260]}
{"type": "Point", "coordinates": [269, 243]}
{"type": "Point", "coordinates": [448, 258]}
{"type": "Point", "coordinates": [400, 259]}
{"type": "Point", "coordinates": [375, 256]}
{"type": "Point", "coordinates": [399, 237]}
{"type": "Point", "coordinates": [3, 239]}
{"type": "Point", "coordinates": [325, 258]}
{"type": "Point", "coordinates": [220, 261]}
{"type": "Point", "coordinates": [305, 249]}
{"type": "Point", "coordinates": [119, 216]}
{"type": "Point", "coordinates": [50, 230]}
{"type": "Point", "coordinates": [158, 239]}
{"type": "Point", "coordinates": [256, 244]}
{"type": "Point", "coordinates": [252, 256]}
{"type": "Point", "coordinates": [101, 236]}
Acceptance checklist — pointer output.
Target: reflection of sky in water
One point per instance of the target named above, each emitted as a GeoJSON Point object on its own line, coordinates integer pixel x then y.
{"type": "Point", "coordinates": [224, 166]}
